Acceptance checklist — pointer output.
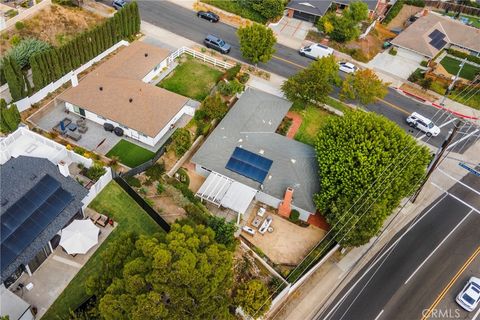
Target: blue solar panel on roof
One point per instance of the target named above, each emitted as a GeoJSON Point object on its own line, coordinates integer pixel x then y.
{"type": "Point", "coordinates": [30, 215]}
{"type": "Point", "coordinates": [438, 44]}
{"type": "Point", "coordinates": [249, 164]}
{"type": "Point", "coordinates": [435, 33]}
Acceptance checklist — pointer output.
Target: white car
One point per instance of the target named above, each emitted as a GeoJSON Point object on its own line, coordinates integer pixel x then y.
{"type": "Point", "coordinates": [416, 120]}
{"type": "Point", "coordinates": [315, 51]}
{"type": "Point", "coordinates": [347, 67]}
{"type": "Point", "coordinates": [469, 297]}
{"type": "Point", "coordinates": [248, 230]}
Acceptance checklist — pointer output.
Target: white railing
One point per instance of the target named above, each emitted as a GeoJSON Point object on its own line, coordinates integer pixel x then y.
{"type": "Point", "coordinates": [27, 102]}
{"type": "Point", "coordinates": [97, 187]}
{"type": "Point", "coordinates": [200, 56]}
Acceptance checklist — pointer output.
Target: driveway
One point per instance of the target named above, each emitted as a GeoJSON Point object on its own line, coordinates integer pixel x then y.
{"type": "Point", "coordinates": [401, 65]}
{"type": "Point", "coordinates": [291, 32]}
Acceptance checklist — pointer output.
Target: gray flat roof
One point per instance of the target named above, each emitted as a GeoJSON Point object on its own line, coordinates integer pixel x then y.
{"type": "Point", "coordinates": [18, 177]}
{"type": "Point", "coordinates": [251, 124]}
{"type": "Point", "coordinates": [320, 7]}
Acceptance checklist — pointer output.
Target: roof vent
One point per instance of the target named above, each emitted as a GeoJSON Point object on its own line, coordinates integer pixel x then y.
{"type": "Point", "coordinates": [130, 100]}
{"type": "Point", "coordinates": [101, 88]}
{"type": "Point", "coordinates": [293, 160]}
{"type": "Point", "coordinates": [261, 151]}
{"type": "Point", "coordinates": [33, 177]}
{"type": "Point", "coordinates": [146, 54]}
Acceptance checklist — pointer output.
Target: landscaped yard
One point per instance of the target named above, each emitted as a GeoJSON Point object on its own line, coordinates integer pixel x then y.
{"type": "Point", "coordinates": [192, 79]}
{"type": "Point", "coordinates": [452, 65]}
{"type": "Point", "coordinates": [130, 217]}
{"type": "Point", "coordinates": [130, 154]}
{"type": "Point", "coordinates": [475, 21]}
{"type": "Point", "coordinates": [313, 119]}
{"type": "Point", "coordinates": [237, 7]}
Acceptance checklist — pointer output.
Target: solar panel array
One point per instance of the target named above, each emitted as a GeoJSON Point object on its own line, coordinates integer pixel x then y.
{"type": "Point", "coordinates": [29, 216]}
{"type": "Point", "coordinates": [249, 164]}
{"type": "Point", "coordinates": [437, 39]}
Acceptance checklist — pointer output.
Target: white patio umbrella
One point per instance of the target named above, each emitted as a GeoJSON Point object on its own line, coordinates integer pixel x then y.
{"type": "Point", "coordinates": [79, 236]}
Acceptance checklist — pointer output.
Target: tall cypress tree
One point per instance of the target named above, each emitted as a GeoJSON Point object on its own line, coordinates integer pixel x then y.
{"type": "Point", "coordinates": [57, 70]}
{"type": "Point", "coordinates": [36, 73]}
{"type": "Point", "coordinates": [49, 65]}
{"type": "Point", "coordinates": [136, 13]}
{"type": "Point", "coordinates": [3, 124]}
{"type": "Point", "coordinates": [10, 117]}
{"type": "Point", "coordinates": [14, 78]}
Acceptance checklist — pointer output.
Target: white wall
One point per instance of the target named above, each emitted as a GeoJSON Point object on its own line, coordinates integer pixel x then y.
{"type": "Point", "coordinates": [97, 187]}
{"type": "Point", "coordinates": [267, 199]}
{"type": "Point", "coordinates": [155, 71]}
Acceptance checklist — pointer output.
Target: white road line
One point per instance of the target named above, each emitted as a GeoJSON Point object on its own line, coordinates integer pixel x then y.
{"type": "Point", "coordinates": [476, 314]}
{"type": "Point", "coordinates": [466, 137]}
{"type": "Point", "coordinates": [340, 301]}
{"type": "Point", "coordinates": [378, 317]}
{"type": "Point", "coordinates": [458, 181]}
{"type": "Point", "coordinates": [438, 246]}
{"type": "Point", "coordinates": [440, 126]}
{"type": "Point", "coordinates": [455, 197]}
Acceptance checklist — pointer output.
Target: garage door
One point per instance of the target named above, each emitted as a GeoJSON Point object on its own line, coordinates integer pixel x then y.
{"type": "Point", "coordinates": [304, 16]}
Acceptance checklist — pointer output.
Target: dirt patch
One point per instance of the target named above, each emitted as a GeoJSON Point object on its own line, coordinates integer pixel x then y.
{"type": "Point", "coordinates": [55, 25]}
{"type": "Point", "coordinates": [403, 15]}
{"type": "Point", "coordinates": [225, 17]}
{"type": "Point", "coordinates": [419, 92]}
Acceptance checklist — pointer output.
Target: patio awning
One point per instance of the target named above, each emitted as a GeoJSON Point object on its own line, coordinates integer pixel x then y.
{"type": "Point", "coordinates": [225, 192]}
{"type": "Point", "coordinates": [79, 236]}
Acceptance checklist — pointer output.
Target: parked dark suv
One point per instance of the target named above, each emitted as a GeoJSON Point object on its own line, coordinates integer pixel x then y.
{"type": "Point", "coordinates": [208, 15]}
{"type": "Point", "coordinates": [118, 4]}
{"type": "Point", "coordinates": [217, 44]}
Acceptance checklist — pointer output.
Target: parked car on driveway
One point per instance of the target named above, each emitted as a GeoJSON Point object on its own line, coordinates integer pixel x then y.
{"type": "Point", "coordinates": [215, 43]}
{"type": "Point", "coordinates": [347, 67]}
{"type": "Point", "coordinates": [469, 297]}
{"type": "Point", "coordinates": [416, 120]}
{"type": "Point", "coordinates": [315, 51]}
{"type": "Point", "coordinates": [208, 15]}
{"type": "Point", "coordinates": [119, 4]}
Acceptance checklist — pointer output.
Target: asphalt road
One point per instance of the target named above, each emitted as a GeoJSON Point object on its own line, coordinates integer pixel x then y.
{"type": "Point", "coordinates": [405, 281]}
{"type": "Point", "coordinates": [286, 62]}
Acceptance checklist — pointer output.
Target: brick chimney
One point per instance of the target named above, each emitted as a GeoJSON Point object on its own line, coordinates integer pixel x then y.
{"type": "Point", "coordinates": [285, 207]}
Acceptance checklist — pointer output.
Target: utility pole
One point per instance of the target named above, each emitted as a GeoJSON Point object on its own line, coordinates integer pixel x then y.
{"type": "Point", "coordinates": [436, 159]}
{"type": "Point", "coordinates": [450, 87]}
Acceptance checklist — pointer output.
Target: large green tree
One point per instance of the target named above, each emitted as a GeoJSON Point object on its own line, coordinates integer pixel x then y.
{"type": "Point", "coordinates": [185, 275]}
{"type": "Point", "coordinates": [367, 164]}
{"type": "Point", "coordinates": [363, 86]}
{"type": "Point", "coordinates": [15, 78]}
{"type": "Point", "coordinates": [356, 11]}
{"type": "Point", "coordinates": [269, 8]}
{"type": "Point", "coordinates": [254, 298]}
{"type": "Point", "coordinates": [314, 83]}
{"type": "Point", "coordinates": [257, 43]}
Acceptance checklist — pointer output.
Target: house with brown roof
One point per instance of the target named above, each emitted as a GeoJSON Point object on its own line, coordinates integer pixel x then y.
{"type": "Point", "coordinates": [432, 33]}
{"type": "Point", "coordinates": [118, 92]}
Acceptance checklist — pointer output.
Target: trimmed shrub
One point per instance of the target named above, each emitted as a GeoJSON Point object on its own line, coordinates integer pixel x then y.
{"type": "Point", "coordinates": [392, 51]}
{"type": "Point", "coordinates": [160, 188]}
{"type": "Point", "coordinates": [230, 88]}
{"type": "Point", "coordinates": [393, 12]}
{"type": "Point", "coordinates": [19, 25]}
{"type": "Point", "coordinates": [231, 73]}
{"type": "Point", "coordinates": [243, 78]}
{"type": "Point", "coordinates": [294, 215]}
{"type": "Point", "coordinates": [416, 75]}
{"type": "Point", "coordinates": [95, 172]}
{"type": "Point", "coordinates": [463, 55]}
{"type": "Point", "coordinates": [424, 63]}
{"type": "Point", "coordinates": [155, 172]}
{"type": "Point", "coordinates": [181, 141]}
{"type": "Point", "coordinates": [134, 182]}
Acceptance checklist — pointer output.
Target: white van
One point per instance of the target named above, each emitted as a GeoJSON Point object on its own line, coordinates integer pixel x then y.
{"type": "Point", "coordinates": [416, 120]}
{"type": "Point", "coordinates": [315, 51]}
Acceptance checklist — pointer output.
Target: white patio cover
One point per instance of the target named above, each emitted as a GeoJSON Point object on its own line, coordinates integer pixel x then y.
{"type": "Point", "coordinates": [79, 236]}
{"type": "Point", "coordinates": [226, 192]}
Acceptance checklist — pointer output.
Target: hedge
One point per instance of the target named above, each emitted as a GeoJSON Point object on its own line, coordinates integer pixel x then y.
{"type": "Point", "coordinates": [50, 65]}
{"type": "Point", "coordinates": [395, 9]}
{"type": "Point", "coordinates": [463, 55]}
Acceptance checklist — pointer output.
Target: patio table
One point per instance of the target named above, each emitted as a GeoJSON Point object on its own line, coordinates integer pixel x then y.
{"type": "Point", "coordinates": [72, 127]}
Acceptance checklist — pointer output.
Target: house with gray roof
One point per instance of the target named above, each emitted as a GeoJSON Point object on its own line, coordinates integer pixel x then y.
{"type": "Point", "coordinates": [244, 158]}
{"type": "Point", "coordinates": [37, 201]}
{"type": "Point", "coordinates": [312, 10]}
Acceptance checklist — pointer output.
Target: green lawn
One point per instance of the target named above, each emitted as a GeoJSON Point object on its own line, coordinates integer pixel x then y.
{"type": "Point", "coordinates": [130, 154]}
{"type": "Point", "coordinates": [191, 79]}
{"type": "Point", "coordinates": [313, 119]}
{"type": "Point", "coordinates": [334, 103]}
{"type": "Point", "coordinates": [452, 65]}
{"type": "Point", "coordinates": [130, 217]}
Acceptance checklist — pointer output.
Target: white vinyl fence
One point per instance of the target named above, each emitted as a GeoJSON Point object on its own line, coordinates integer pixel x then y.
{"type": "Point", "coordinates": [199, 56]}
{"type": "Point", "coordinates": [27, 102]}
{"type": "Point", "coordinates": [97, 187]}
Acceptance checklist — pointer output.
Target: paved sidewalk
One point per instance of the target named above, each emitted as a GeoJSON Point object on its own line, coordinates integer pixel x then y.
{"type": "Point", "coordinates": [319, 290]}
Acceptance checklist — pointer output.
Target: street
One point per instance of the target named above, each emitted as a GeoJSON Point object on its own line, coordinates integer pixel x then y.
{"type": "Point", "coordinates": [423, 267]}
{"type": "Point", "coordinates": [287, 61]}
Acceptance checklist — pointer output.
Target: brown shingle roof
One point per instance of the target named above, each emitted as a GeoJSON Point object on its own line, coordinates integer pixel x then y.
{"type": "Point", "coordinates": [120, 78]}
{"type": "Point", "coordinates": [416, 37]}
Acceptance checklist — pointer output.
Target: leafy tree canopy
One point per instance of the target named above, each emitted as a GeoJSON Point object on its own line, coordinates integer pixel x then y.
{"type": "Point", "coordinates": [358, 151]}
{"type": "Point", "coordinates": [257, 43]}
{"type": "Point", "coordinates": [356, 11]}
{"type": "Point", "coordinates": [254, 298]}
{"type": "Point", "coordinates": [314, 83]}
{"type": "Point", "coordinates": [269, 8]}
{"type": "Point", "coordinates": [185, 276]}
{"type": "Point", "coordinates": [181, 141]}
{"type": "Point", "coordinates": [364, 86]}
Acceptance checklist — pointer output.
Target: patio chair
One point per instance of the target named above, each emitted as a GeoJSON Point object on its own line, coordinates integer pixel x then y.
{"type": "Point", "coordinates": [73, 135]}
{"type": "Point", "coordinates": [95, 217]}
{"type": "Point", "coordinates": [82, 129]}
{"type": "Point", "coordinates": [103, 221]}
{"type": "Point", "coordinates": [81, 122]}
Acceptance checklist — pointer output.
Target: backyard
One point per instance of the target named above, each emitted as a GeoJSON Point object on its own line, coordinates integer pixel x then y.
{"type": "Point", "coordinates": [453, 65]}
{"type": "Point", "coordinates": [118, 205]}
{"type": "Point", "coordinates": [130, 154]}
{"type": "Point", "coordinates": [181, 79]}
{"type": "Point", "coordinates": [470, 20]}
{"type": "Point", "coordinates": [312, 120]}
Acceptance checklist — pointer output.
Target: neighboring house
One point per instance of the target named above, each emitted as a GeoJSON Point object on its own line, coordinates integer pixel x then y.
{"type": "Point", "coordinates": [39, 198]}
{"type": "Point", "coordinates": [431, 33]}
{"type": "Point", "coordinates": [13, 306]}
{"type": "Point", "coordinates": [243, 158]}
{"type": "Point", "coordinates": [312, 10]}
{"type": "Point", "coordinates": [118, 92]}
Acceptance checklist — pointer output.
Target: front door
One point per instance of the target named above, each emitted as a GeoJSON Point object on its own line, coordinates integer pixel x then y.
{"type": "Point", "coordinates": [82, 112]}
